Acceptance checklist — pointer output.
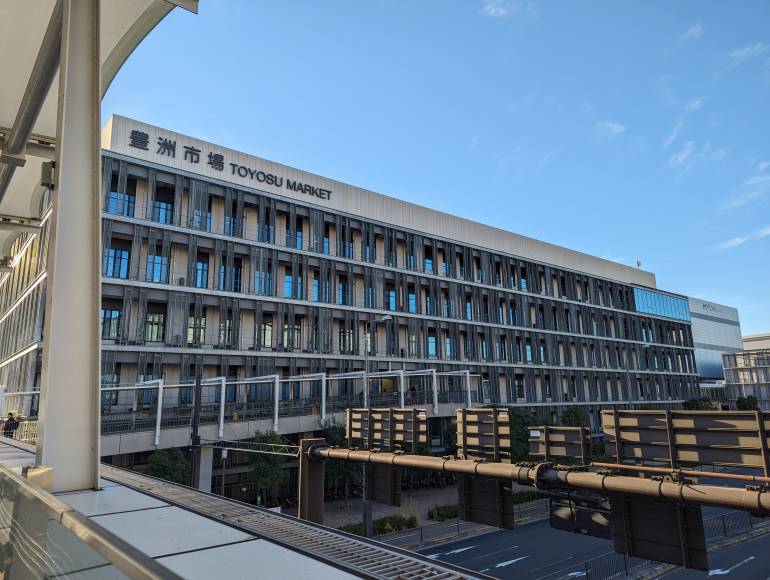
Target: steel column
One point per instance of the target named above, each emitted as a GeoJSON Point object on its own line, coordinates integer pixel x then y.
{"type": "Point", "coordinates": [159, 414]}
{"type": "Point", "coordinates": [276, 401]}
{"type": "Point", "coordinates": [222, 393]}
{"type": "Point", "coordinates": [69, 436]}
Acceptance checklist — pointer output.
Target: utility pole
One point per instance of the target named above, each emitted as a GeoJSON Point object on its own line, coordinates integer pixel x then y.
{"type": "Point", "coordinates": [194, 438]}
{"type": "Point", "coordinates": [366, 504]}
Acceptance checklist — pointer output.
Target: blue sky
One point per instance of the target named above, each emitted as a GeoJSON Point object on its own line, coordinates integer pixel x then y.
{"type": "Point", "coordinates": [627, 130]}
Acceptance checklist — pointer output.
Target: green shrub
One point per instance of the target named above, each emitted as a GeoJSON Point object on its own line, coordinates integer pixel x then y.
{"type": "Point", "coordinates": [385, 525]}
{"type": "Point", "coordinates": [526, 496]}
{"type": "Point", "coordinates": [442, 513]}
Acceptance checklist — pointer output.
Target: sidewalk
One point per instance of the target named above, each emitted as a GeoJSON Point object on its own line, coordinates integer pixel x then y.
{"type": "Point", "coordinates": [419, 501]}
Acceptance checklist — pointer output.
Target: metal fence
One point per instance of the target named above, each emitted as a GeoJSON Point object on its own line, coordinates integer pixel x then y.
{"type": "Point", "coordinates": [716, 528]}
{"type": "Point", "coordinates": [451, 529]}
{"type": "Point", "coordinates": [25, 430]}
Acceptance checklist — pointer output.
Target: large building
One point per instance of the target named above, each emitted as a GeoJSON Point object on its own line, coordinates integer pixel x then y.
{"type": "Point", "coordinates": [747, 373]}
{"type": "Point", "coordinates": [222, 264]}
{"type": "Point", "coordinates": [716, 331]}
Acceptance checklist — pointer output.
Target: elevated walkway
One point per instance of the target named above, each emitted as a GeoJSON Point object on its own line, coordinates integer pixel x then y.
{"type": "Point", "coordinates": [198, 535]}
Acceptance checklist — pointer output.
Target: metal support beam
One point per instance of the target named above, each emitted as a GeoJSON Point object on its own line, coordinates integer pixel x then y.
{"type": "Point", "coordinates": [19, 224]}
{"type": "Point", "coordinates": [71, 341]}
{"type": "Point", "coordinates": [401, 389]}
{"type": "Point", "coordinates": [276, 401]}
{"type": "Point", "coordinates": [311, 476]}
{"type": "Point", "coordinates": [323, 398]}
{"type": "Point", "coordinates": [52, 54]}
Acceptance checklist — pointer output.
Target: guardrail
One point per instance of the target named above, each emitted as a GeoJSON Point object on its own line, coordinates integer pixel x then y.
{"type": "Point", "coordinates": [46, 538]}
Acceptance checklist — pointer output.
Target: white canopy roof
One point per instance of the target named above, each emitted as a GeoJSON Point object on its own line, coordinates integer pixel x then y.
{"type": "Point", "coordinates": [124, 24]}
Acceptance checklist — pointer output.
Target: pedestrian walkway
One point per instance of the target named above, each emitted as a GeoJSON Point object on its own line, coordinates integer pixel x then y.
{"type": "Point", "coordinates": [419, 501]}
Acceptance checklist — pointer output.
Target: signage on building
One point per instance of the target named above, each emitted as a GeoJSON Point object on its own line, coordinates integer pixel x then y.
{"type": "Point", "coordinates": [161, 146]}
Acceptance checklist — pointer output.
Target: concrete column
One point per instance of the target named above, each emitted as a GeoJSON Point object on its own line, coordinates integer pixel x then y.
{"type": "Point", "coordinates": [205, 468]}
{"type": "Point", "coordinates": [68, 436]}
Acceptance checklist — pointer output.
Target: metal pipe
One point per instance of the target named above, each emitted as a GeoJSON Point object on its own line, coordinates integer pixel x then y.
{"type": "Point", "coordinates": [38, 87]}
{"type": "Point", "coordinates": [688, 472]}
{"type": "Point", "coordinates": [728, 497]}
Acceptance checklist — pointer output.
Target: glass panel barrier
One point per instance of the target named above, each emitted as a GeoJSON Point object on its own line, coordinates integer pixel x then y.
{"type": "Point", "coordinates": [42, 537]}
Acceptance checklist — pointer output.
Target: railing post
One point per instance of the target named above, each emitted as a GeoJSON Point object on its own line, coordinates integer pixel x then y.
{"type": "Point", "coordinates": [222, 391]}
{"type": "Point", "coordinates": [468, 388]}
{"type": "Point", "coordinates": [159, 414]}
{"type": "Point", "coordinates": [401, 388]}
{"type": "Point", "coordinates": [435, 391]}
{"type": "Point", "coordinates": [276, 400]}
{"type": "Point", "coordinates": [323, 398]}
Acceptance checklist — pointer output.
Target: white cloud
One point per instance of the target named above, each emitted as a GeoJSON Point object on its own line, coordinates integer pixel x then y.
{"type": "Point", "coordinates": [748, 52]}
{"type": "Point", "coordinates": [740, 240]}
{"type": "Point", "coordinates": [609, 129]}
{"type": "Point", "coordinates": [694, 32]}
{"type": "Point", "coordinates": [694, 105]}
{"type": "Point", "coordinates": [674, 133]}
{"type": "Point", "coordinates": [756, 187]}
{"type": "Point", "coordinates": [719, 154]}
{"type": "Point", "coordinates": [505, 8]}
{"type": "Point", "coordinates": [680, 158]}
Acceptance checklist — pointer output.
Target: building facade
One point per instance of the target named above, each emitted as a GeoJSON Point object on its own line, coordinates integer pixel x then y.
{"type": "Point", "coordinates": [716, 330]}
{"type": "Point", "coordinates": [747, 373]}
{"type": "Point", "coordinates": [221, 264]}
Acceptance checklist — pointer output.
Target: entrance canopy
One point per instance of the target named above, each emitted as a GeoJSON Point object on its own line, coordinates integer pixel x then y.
{"type": "Point", "coordinates": [30, 40]}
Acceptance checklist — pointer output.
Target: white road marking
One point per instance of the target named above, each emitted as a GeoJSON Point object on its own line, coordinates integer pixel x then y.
{"type": "Point", "coordinates": [433, 556]}
{"type": "Point", "coordinates": [509, 562]}
{"type": "Point", "coordinates": [726, 571]}
{"type": "Point", "coordinates": [458, 550]}
{"type": "Point", "coordinates": [575, 574]}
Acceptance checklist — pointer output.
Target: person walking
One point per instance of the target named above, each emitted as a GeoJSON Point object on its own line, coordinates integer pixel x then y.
{"type": "Point", "coordinates": [10, 426]}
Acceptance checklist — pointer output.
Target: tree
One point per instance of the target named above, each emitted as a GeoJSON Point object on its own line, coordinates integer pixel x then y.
{"type": "Point", "coordinates": [266, 470]}
{"type": "Point", "coordinates": [747, 403]}
{"type": "Point", "coordinates": [574, 417]}
{"type": "Point", "coordinates": [703, 404]}
{"type": "Point", "coordinates": [520, 421]}
{"type": "Point", "coordinates": [169, 464]}
{"type": "Point", "coordinates": [338, 471]}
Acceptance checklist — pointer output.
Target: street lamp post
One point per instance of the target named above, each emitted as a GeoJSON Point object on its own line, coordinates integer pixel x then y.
{"type": "Point", "coordinates": [366, 504]}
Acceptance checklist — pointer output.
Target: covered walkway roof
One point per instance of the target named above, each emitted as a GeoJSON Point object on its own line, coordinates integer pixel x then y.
{"type": "Point", "coordinates": [29, 87]}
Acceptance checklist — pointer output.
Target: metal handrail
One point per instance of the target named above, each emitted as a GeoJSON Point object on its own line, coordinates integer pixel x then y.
{"type": "Point", "coordinates": [125, 557]}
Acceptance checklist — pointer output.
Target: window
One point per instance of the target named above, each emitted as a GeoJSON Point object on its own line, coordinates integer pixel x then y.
{"type": "Point", "coordinates": [468, 310]}
{"type": "Point", "coordinates": [315, 290]}
{"type": "Point", "coordinates": [185, 396]}
{"type": "Point", "coordinates": [121, 204]}
{"type": "Point", "coordinates": [369, 297]}
{"type": "Point", "coordinates": [162, 211]}
{"type": "Point", "coordinates": [110, 323]}
{"type": "Point", "coordinates": [449, 350]}
{"type": "Point", "coordinates": [528, 352]}
{"type": "Point", "coordinates": [263, 283]}
{"type": "Point", "coordinates": [116, 264]}
{"type": "Point", "coordinates": [346, 340]}
{"type": "Point", "coordinates": [342, 292]}
{"type": "Point", "coordinates": [198, 223]}
{"type": "Point", "coordinates": [201, 274]}
{"type": "Point", "coordinates": [650, 302]}
{"type": "Point", "coordinates": [155, 327]}
{"type": "Point", "coordinates": [234, 273]}
{"type": "Point", "coordinates": [266, 333]}
{"type": "Point", "coordinates": [390, 299]}
{"type": "Point", "coordinates": [518, 386]}
{"type": "Point", "coordinates": [292, 336]}
{"type": "Point", "coordinates": [428, 265]}
{"type": "Point", "coordinates": [226, 331]}
{"type": "Point", "coordinates": [196, 330]}
{"type": "Point", "coordinates": [412, 303]}
{"type": "Point", "coordinates": [542, 354]}
{"type": "Point", "coordinates": [431, 346]}
{"type": "Point", "coordinates": [157, 269]}
{"type": "Point", "coordinates": [287, 285]}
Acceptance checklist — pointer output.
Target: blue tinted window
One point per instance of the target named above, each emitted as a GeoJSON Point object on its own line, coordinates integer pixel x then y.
{"type": "Point", "coordinates": [651, 302]}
